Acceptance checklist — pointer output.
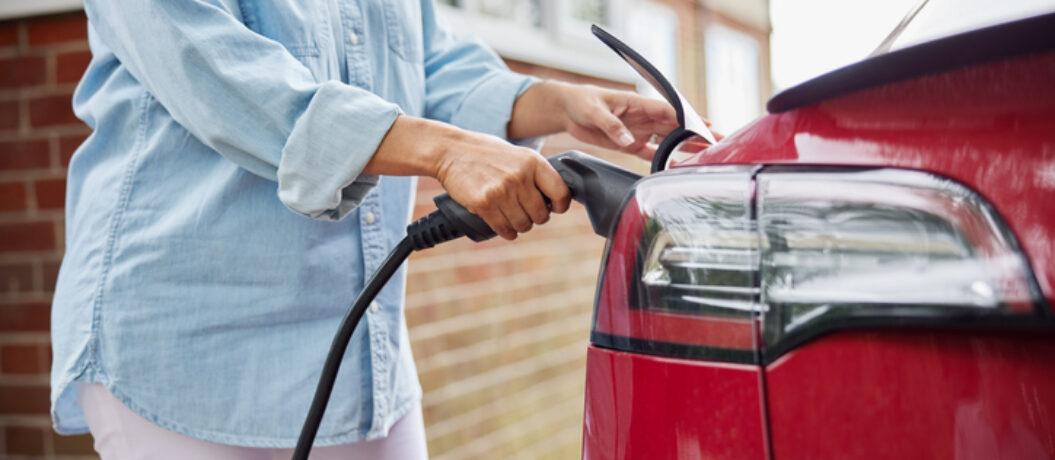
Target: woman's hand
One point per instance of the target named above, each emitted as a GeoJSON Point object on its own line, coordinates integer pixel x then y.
{"type": "Point", "coordinates": [618, 120]}
{"type": "Point", "coordinates": [502, 183]}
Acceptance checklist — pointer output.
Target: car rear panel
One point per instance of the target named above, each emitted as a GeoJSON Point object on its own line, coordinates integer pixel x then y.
{"type": "Point", "coordinates": [915, 394]}
{"type": "Point", "coordinates": [642, 407]}
{"type": "Point", "coordinates": [940, 392]}
{"type": "Point", "coordinates": [930, 390]}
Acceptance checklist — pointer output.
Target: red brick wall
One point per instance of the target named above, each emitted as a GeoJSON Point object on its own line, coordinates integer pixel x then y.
{"type": "Point", "coordinates": [498, 329]}
{"type": "Point", "coordinates": [41, 60]}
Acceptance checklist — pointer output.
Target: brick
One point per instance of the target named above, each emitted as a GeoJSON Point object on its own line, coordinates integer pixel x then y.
{"type": "Point", "coordinates": [24, 359]}
{"type": "Point", "coordinates": [61, 28]}
{"type": "Point", "coordinates": [72, 445]}
{"type": "Point", "coordinates": [68, 145]}
{"type": "Point", "coordinates": [16, 277]}
{"type": "Point", "coordinates": [9, 33]}
{"type": "Point", "coordinates": [23, 399]}
{"type": "Point", "coordinates": [12, 196]}
{"type": "Point", "coordinates": [52, 111]}
{"type": "Point", "coordinates": [51, 193]}
{"type": "Point", "coordinates": [26, 317]}
{"type": "Point", "coordinates": [24, 440]}
{"type": "Point", "coordinates": [51, 276]}
{"type": "Point", "coordinates": [8, 115]}
{"type": "Point", "coordinates": [27, 236]}
{"type": "Point", "coordinates": [24, 155]}
{"type": "Point", "coordinates": [22, 71]}
{"type": "Point", "coordinates": [70, 66]}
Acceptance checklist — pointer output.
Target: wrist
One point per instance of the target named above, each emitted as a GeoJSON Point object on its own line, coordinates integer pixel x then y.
{"type": "Point", "coordinates": [443, 142]}
{"type": "Point", "coordinates": [540, 110]}
{"type": "Point", "coordinates": [413, 146]}
{"type": "Point", "coordinates": [559, 93]}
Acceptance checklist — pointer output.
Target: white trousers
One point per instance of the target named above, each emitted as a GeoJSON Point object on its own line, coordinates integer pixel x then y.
{"type": "Point", "coordinates": [121, 434]}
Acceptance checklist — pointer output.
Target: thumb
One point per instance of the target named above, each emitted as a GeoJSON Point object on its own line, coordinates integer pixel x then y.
{"type": "Point", "coordinates": [613, 127]}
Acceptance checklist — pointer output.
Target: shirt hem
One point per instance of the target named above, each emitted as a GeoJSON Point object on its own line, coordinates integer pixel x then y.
{"type": "Point", "coordinates": [252, 441]}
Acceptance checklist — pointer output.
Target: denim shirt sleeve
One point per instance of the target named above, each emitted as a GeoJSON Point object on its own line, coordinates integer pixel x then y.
{"type": "Point", "coordinates": [467, 84]}
{"type": "Point", "coordinates": [248, 98]}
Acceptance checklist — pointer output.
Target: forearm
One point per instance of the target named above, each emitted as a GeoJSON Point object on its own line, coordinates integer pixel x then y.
{"type": "Point", "coordinates": [414, 146]}
{"type": "Point", "coordinates": [540, 110]}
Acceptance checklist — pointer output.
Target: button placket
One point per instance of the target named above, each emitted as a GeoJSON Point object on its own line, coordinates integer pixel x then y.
{"type": "Point", "coordinates": [374, 252]}
{"type": "Point", "coordinates": [358, 64]}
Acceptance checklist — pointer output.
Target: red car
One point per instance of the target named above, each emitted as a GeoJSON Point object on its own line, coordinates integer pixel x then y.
{"type": "Point", "coordinates": [868, 271]}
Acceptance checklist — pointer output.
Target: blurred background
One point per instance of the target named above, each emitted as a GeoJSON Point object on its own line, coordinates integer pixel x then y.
{"type": "Point", "coordinates": [498, 329]}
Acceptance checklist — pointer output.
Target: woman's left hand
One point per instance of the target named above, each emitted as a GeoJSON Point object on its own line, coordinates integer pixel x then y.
{"type": "Point", "coordinates": [618, 120]}
{"type": "Point", "coordinates": [607, 118]}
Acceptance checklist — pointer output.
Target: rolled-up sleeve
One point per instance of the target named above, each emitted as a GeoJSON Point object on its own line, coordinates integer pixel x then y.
{"type": "Point", "coordinates": [248, 98]}
{"type": "Point", "coordinates": [328, 147]}
{"type": "Point", "coordinates": [467, 84]}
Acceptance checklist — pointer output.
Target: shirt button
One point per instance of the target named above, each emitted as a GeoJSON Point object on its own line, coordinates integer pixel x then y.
{"type": "Point", "coordinates": [370, 218]}
{"type": "Point", "coordinates": [353, 38]}
{"type": "Point", "coordinates": [374, 306]}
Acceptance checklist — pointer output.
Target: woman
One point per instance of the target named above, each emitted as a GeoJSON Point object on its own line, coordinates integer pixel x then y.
{"type": "Point", "coordinates": [251, 163]}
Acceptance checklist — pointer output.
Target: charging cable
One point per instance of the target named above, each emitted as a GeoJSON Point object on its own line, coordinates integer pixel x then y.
{"type": "Point", "coordinates": [600, 186]}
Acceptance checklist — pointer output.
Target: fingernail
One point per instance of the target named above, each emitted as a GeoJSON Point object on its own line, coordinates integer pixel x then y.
{"type": "Point", "coordinates": [625, 139]}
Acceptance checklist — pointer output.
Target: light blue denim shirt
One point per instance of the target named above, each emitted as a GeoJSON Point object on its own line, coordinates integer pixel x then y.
{"type": "Point", "coordinates": [218, 225]}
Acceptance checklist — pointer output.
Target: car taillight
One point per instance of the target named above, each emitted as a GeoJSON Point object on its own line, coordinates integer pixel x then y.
{"type": "Point", "coordinates": [681, 272]}
{"type": "Point", "coordinates": [705, 261]}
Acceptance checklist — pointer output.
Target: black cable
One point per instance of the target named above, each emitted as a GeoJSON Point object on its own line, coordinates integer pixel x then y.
{"type": "Point", "coordinates": [340, 343]}
{"type": "Point", "coordinates": [599, 185]}
{"type": "Point", "coordinates": [424, 233]}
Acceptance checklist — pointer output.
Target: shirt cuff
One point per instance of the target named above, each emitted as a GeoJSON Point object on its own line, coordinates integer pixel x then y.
{"type": "Point", "coordinates": [488, 106]}
{"type": "Point", "coordinates": [330, 144]}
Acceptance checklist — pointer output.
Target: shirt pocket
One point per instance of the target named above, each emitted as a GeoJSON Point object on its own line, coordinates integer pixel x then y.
{"type": "Point", "coordinates": [403, 26]}
{"type": "Point", "coordinates": [292, 23]}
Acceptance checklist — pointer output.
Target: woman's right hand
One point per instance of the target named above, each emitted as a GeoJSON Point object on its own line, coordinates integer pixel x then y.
{"type": "Point", "coordinates": [502, 183]}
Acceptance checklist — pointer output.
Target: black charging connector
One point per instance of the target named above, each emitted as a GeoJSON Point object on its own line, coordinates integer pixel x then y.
{"type": "Point", "coordinates": [599, 185]}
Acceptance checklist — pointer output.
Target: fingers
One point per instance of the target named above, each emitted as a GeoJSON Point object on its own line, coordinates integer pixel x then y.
{"type": "Point", "coordinates": [553, 187]}
{"type": "Point", "coordinates": [496, 219]}
{"type": "Point", "coordinates": [612, 127]}
{"type": "Point", "coordinates": [625, 121]}
{"type": "Point", "coordinates": [645, 152]}
{"type": "Point", "coordinates": [515, 212]}
{"type": "Point", "coordinates": [591, 136]}
{"type": "Point", "coordinates": [533, 203]}
{"type": "Point", "coordinates": [659, 111]}
{"type": "Point", "coordinates": [515, 203]}
{"type": "Point", "coordinates": [504, 185]}
{"type": "Point", "coordinates": [503, 212]}
{"type": "Point", "coordinates": [526, 204]}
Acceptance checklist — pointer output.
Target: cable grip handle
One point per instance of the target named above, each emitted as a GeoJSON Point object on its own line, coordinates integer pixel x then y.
{"type": "Point", "coordinates": [599, 185]}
